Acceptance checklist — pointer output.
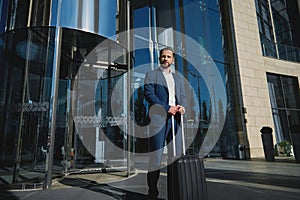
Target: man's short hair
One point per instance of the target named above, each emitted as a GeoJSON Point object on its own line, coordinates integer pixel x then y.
{"type": "Point", "coordinates": [166, 49]}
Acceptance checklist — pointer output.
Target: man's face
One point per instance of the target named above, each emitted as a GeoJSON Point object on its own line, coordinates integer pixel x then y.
{"type": "Point", "coordinates": [166, 58]}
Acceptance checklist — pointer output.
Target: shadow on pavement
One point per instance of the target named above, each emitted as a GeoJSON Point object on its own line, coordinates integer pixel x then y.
{"type": "Point", "coordinates": [105, 189]}
{"type": "Point", "coordinates": [5, 194]}
{"type": "Point", "coordinates": [255, 177]}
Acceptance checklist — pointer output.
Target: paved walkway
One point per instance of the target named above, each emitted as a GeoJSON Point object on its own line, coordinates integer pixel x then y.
{"type": "Point", "coordinates": [226, 179]}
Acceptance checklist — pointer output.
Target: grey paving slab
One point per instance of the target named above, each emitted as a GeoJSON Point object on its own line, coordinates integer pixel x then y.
{"type": "Point", "coordinates": [226, 179]}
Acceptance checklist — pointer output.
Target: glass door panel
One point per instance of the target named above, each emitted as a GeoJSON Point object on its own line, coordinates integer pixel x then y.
{"type": "Point", "coordinates": [92, 68]}
{"type": "Point", "coordinates": [34, 117]}
{"type": "Point", "coordinates": [25, 88]}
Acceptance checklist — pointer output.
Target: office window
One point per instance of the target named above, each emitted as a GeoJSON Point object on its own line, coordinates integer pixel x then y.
{"type": "Point", "coordinates": [278, 28]}
{"type": "Point", "coordinates": [265, 28]}
{"type": "Point", "coordinates": [285, 102]}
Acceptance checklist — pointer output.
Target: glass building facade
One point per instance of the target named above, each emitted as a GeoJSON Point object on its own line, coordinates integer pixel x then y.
{"type": "Point", "coordinates": [277, 23]}
{"type": "Point", "coordinates": [72, 74]}
{"type": "Point", "coordinates": [49, 49]}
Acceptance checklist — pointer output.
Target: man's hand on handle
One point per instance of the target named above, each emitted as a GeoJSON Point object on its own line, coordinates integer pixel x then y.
{"type": "Point", "coordinates": [174, 109]}
{"type": "Point", "coordinates": [181, 109]}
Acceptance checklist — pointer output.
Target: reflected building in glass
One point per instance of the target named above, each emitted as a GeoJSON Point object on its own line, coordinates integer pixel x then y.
{"type": "Point", "coordinates": [72, 74]}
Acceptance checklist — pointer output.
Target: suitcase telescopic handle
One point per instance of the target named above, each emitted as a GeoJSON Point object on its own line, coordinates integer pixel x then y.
{"type": "Point", "coordinates": [182, 134]}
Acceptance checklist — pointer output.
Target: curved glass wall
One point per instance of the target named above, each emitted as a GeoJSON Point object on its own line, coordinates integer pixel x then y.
{"type": "Point", "coordinates": [28, 49]}
{"type": "Point", "coordinates": [95, 16]}
{"type": "Point", "coordinates": [26, 78]}
{"type": "Point", "coordinates": [26, 74]}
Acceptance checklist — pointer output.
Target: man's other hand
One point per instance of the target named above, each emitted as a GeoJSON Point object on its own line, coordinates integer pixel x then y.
{"type": "Point", "coordinates": [173, 110]}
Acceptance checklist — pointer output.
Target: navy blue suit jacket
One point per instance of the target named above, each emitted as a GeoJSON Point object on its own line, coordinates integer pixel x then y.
{"type": "Point", "coordinates": [156, 90]}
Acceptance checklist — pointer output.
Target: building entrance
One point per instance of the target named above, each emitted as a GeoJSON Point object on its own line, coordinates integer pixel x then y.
{"type": "Point", "coordinates": [88, 73]}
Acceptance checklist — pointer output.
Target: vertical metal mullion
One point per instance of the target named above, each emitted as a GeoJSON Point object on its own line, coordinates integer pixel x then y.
{"type": "Point", "coordinates": [13, 14]}
{"type": "Point", "coordinates": [154, 35]}
{"type": "Point", "coordinates": [96, 16]}
{"type": "Point", "coordinates": [151, 42]}
{"type": "Point", "coordinates": [273, 28]}
{"type": "Point", "coordinates": [53, 108]}
{"type": "Point", "coordinates": [53, 100]}
{"type": "Point", "coordinates": [285, 107]}
{"type": "Point", "coordinates": [29, 13]}
{"type": "Point", "coordinates": [128, 86]}
{"type": "Point", "coordinates": [67, 125]}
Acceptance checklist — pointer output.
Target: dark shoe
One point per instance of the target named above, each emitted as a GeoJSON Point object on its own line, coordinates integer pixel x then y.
{"type": "Point", "coordinates": [152, 195]}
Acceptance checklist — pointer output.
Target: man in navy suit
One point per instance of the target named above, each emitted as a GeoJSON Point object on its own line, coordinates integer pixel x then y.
{"type": "Point", "coordinates": [164, 90]}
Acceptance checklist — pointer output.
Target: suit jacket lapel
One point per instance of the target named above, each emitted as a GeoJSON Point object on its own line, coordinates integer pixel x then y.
{"type": "Point", "coordinates": [177, 87]}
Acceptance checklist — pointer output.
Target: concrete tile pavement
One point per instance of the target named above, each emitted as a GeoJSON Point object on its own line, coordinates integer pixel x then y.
{"type": "Point", "coordinates": [253, 179]}
{"type": "Point", "coordinates": [226, 179]}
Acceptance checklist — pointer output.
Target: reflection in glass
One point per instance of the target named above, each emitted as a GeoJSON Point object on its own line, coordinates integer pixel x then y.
{"type": "Point", "coordinates": [96, 16]}
{"type": "Point", "coordinates": [25, 86]}
{"type": "Point", "coordinates": [176, 16]}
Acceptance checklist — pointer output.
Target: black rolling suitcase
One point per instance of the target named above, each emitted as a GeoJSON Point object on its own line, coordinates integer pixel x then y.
{"type": "Point", "coordinates": [186, 178]}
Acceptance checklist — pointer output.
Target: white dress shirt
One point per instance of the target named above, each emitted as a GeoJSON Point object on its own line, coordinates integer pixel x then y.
{"type": "Point", "coordinates": [171, 85]}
